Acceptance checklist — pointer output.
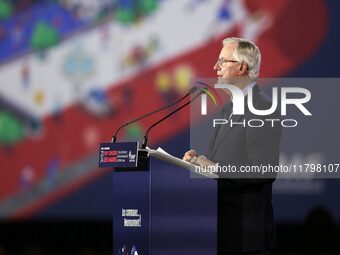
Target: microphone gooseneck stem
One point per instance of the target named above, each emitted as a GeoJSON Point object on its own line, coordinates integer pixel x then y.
{"type": "Point", "coordinates": [114, 137]}
{"type": "Point", "coordinates": [145, 140]}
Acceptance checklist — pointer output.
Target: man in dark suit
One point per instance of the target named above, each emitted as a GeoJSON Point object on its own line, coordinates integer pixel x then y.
{"type": "Point", "coordinates": [245, 214]}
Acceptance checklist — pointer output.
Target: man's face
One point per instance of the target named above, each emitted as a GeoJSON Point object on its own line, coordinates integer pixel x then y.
{"type": "Point", "coordinates": [227, 67]}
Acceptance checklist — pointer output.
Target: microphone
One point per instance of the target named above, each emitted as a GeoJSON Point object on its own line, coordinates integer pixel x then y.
{"type": "Point", "coordinates": [114, 137]}
{"type": "Point", "coordinates": [145, 140]}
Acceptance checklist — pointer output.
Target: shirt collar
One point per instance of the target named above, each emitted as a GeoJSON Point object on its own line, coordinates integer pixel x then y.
{"type": "Point", "coordinates": [246, 89]}
{"type": "Point", "coordinates": [250, 86]}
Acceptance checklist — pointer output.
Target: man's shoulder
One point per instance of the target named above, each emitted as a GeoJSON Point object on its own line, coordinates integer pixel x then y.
{"type": "Point", "coordinates": [262, 101]}
{"type": "Point", "coordinates": [260, 98]}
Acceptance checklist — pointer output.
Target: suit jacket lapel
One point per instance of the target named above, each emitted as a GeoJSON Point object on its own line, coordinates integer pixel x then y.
{"type": "Point", "coordinates": [218, 139]}
{"type": "Point", "coordinates": [224, 133]}
{"type": "Point", "coordinates": [225, 109]}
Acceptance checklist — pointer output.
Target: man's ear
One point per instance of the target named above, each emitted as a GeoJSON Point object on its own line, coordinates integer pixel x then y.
{"type": "Point", "coordinates": [243, 69]}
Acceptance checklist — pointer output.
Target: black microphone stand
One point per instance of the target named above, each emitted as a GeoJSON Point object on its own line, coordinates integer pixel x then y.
{"type": "Point", "coordinates": [145, 140]}
{"type": "Point", "coordinates": [114, 137]}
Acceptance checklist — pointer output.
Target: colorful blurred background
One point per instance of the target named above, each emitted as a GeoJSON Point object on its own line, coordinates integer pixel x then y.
{"type": "Point", "coordinates": [72, 71]}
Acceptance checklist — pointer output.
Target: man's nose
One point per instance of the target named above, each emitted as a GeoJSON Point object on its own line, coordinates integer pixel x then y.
{"type": "Point", "coordinates": [216, 66]}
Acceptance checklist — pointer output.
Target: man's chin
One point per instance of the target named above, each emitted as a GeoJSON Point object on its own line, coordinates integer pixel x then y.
{"type": "Point", "coordinates": [221, 80]}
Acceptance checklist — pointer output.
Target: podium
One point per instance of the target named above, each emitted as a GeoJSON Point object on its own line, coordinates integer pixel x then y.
{"type": "Point", "coordinates": [132, 193]}
{"type": "Point", "coordinates": [132, 208]}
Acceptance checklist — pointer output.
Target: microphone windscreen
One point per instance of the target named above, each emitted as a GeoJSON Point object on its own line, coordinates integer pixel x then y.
{"type": "Point", "coordinates": [192, 90]}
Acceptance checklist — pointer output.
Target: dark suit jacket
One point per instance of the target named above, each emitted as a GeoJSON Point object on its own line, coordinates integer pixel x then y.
{"type": "Point", "coordinates": [245, 213]}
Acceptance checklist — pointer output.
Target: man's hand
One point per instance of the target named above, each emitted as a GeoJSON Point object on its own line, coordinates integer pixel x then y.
{"type": "Point", "coordinates": [189, 155]}
{"type": "Point", "coordinates": [202, 161]}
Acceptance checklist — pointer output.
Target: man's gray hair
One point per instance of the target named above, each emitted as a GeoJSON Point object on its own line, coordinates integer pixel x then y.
{"type": "Point", "coordinates": [247, 52]}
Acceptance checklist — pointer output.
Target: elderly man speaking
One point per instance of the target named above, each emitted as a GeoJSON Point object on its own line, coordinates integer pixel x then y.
{"type": "Point", "coordinates": [245, 221]}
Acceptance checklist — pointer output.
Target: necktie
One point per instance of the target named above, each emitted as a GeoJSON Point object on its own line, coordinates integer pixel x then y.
{"type": "Point", "coordinates": [229, 111]}
{"type": "Point", "coordinates": [226, 115]}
